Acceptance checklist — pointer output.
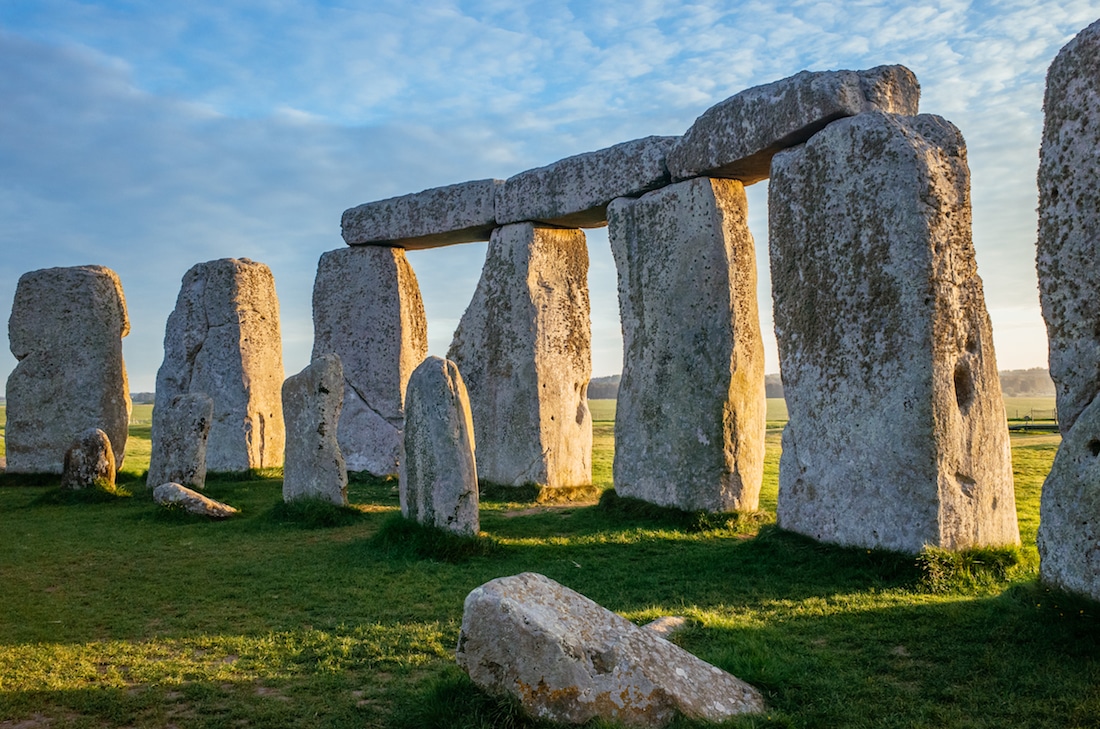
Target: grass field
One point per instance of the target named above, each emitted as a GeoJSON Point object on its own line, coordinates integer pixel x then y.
{"type": "Point", "coordinates": [114, 614]}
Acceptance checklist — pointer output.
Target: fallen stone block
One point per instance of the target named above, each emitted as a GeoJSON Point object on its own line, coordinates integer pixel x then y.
{"type": "Point", "coordinates": [89, 462]}
{"type": "Point", "coordinates": [181, 426]}
{"type": "Point", "coordinates": [174, 495]}
{"type": "Point", "coordinates": [314, 466]}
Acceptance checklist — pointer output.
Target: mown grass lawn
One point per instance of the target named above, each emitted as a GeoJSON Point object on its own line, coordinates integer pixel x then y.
{"type": "Point", "coordinates": [113, 614]}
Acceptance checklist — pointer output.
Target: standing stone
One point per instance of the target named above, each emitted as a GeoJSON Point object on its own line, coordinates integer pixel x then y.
{"type": "Point", "coordinates": [897, 436]}
{"type": "Point", "coordinates": [314, 466]}
{"type": "Point", "coordinates": [690, 422]}
{"type": "Point", "coordinates": [524, 349]}
{"type": "Point", "coordinates": [181, 426]}
{"type": "Point", "coordinates": [66, 331]}
{"type": "Point", "coordinates": [1069, 289]}
{"type": "Point", "coordinates": [367, 309]}
{"type": "Point", "coordinates": [438, 483]}
{"type": "Point", "coordinates": [89, 462]}
{"type": "Point", "coordinates": [223, 339]}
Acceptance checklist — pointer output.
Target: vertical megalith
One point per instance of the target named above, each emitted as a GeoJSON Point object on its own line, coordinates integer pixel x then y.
{"type": "Point", "coordinates": [367, 310]}
{"type": "Point", "coordinates": [89, 462]}
{"type": "Point", "coordinates": [66, 331]}
{"type": "Point", "coordinates": [689, 427]}
{"type": "Point", "coordinates": [181, 425]}
{"type": "Point", "coordinates": [438, 484]}
{"type": "Point", "coordinates": [314, 466]}
{"type": "Point", "coordinates": [1069, 289]}
{"type": "Point", "coordinates": [223, 339]}
{"type": "Point", "coordinates": [897, 436]}
{"type": "Point", "coordinates": [524, 349]}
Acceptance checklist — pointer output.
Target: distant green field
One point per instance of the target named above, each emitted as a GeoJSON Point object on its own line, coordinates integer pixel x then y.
{"type": "Point", "coordinates": [604, 410]}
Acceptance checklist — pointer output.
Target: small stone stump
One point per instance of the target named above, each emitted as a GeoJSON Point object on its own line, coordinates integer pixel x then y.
{"type": "Point", "coordinates": [180, 428]}
{"type": "Point", "coordinates": [174, 495]}
{"type": "Point", "coordinates": [89, 462]}
{"type": "Point", "coordinates": [314, 466]}
{"type": "Point", "coordinates": [438, 483]}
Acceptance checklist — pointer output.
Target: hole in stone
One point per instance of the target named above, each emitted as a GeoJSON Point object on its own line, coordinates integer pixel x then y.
{"type": "Point", "coordinates": [964, 385]}
{"type": "Point", "coordinates": [1094, 446]}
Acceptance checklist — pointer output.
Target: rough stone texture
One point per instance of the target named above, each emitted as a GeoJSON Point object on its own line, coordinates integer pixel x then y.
{"type": "Point", "coordinates": [737, 137]}
{"type": "Point", "coordinates": [897, 436]}
{"type": "Point", "coordinates": [1069, 288]}
{"type": "Point", "coordinates": [687, 297]}
{"type": "Point", "coordinates": [181, 426]}
{"type": "Point", "coordinates": [667, 626]}
{"type": "Point", "coordinates": [367, 309]}
{"type": "Point", "coordinates": [524, 349]}
{"type": "Point", "coordinates": [176, 495]}
{"type": "Point", "coordinates": [314, 466]}
{"type": "Point", "coordinates": [438, 483]}
{"type": "Point", "coordinates": [223, 339]}
{"type": "Point", "coordinates": [565, 658]}
{"type": "Point", "coordinates": [89, 462]}
{"type": "Point", "coordinates": [441, 216]}
{"type": "Point", "coordinates": [574, 192]}
{"type": "Point", "coordinates": [65, 330]}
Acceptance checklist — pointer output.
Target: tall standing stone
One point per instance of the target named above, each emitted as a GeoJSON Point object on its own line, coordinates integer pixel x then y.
{"type": "Point", "coordinates": [223, 339]}
{"type": "Point", "coordinates": [314, 466]}
{"type": "Point", "coordinates": [524, 349]}
{"type": "Point", "coordinates": [438, 483]}
{"type": "Point", "coordinates": [689, 427]}
{"type": "Point", "coordinates": [1069, 289]}
{"type": "Point", "coordinates": [897, 436]}
{"type": "Point", "coordinates": [367, 309]}
{"type": "Point", "coordinates": [181, 426]}
{"type": "Point", "coordinates": [66, 331]}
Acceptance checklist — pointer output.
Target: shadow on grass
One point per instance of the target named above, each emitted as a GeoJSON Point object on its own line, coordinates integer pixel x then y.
{"type": "Point", "coordinates": [313, 513]}
{"type": "Point", "coordinates": [98, 494]}
{"type": "Point", "coordinates": [401, 537]}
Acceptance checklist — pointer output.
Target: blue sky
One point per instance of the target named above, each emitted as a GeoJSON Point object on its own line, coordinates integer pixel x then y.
{"type": "Point", "coordinates": [148, 136]}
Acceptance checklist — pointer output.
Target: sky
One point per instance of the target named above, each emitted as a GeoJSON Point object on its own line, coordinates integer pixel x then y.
{"type": "Point", "coordinates": [148, 136]}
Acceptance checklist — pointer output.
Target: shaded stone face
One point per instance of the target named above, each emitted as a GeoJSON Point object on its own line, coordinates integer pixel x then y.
{"type": "Point", "coordinates": [438, 482]}
{"type": "Point", "coordinates": [66, 329]}
{"type": "Point", "coordinates": [181, 426]}
{"type": "Point", "coordinates": [223, 339]}
{"type": "Point", "coordinates": [690, 421]}
{"type": "Point", "coordinates": [524, 349]}
{"type": "Point", "coordinates": [89, 462]}
{"type": "Point", "coordinates": [367, 310]}
{"type": "Point", "coordinates": [897, 435]}
{"type": "Point", "coordinates": [314, 466]}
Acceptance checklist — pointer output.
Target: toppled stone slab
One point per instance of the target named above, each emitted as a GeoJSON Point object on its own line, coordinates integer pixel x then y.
{"type": "Point", "coordinates": [223, 339]}
{"type": "Point", "coordinates": [687, 296]}
{"type": "Point", "coordinates": [737, 137]}
{"type": "Point", "coordinates": [367, 309]}
{"type": "Point", "coordinates": [66, 331]}
{"type": "Point", "coordinates": [314, 466]}
{"type": "Point", "coordinates": [438, 483]}
{"type": "Point", "coordinates": [181, 426]}
{"type": "Point", "coordinates": [897, 437]}
{"type": "Point", "coordinates": [89, 462]}
{"type": "Point", "coordinates": [524, 349]}
{"type": "Point", "coordinates": [566, 659]}
{"type": "Point", "coordinates": [175, 495]}
{"type": "Point", "coordinates": [440, 216]}
{"type": "Point", "coordinates": [574, 192]}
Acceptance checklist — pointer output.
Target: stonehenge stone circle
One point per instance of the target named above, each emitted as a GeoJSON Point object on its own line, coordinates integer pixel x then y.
{"type": "Point", "coordinates": [438, 482]}
{"type": "Point", "coordinates": [181, 426]}
{"type": "Point", "coordinates": [1069, 288]}
{"type": "Point", "coordinates": [177, 495]}
{"type": "Point", "coordinates": [314, 466]}
{"type": "Point", "coordinates": [89, 462]}
{"type": "Point", "coordinates": [367, 309]}
{"type": "Point", "coordinates": [65, 330]}
{"type": "Point", "coordinates": [223, 339]}
{"type": "Point", "coordinates": [897, 436]}
{"type": "Point", "coordinates": [690, 421]}
{"type": "Point", "coordinates": [524, 349]}
{"type": "Point", "coordinates": [567, 659]}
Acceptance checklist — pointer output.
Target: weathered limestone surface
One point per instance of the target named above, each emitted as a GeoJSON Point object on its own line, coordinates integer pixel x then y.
{"type": "Point", "coordinates": [314, 466]}
{"type": "Point", "coordinates": [687, 297]}
{"type": "Point", "coordinates": [897, 435]}
{"type": "Point", "coordinates": [438, 484]}
{"type": "Point", "coordinates": [440, 216]}
{"type": "Point", "coordinates": [524, 349]}
{"type": "Point", "coordinates": [574, 192]}
{"type": "Point", "coordinates": [223, 339]}
{"type": "Point", "coordinates": [177, 495]}
{"type": "Point", "coordinates": [737, 137]}
{"type": "Point", "coordinates": [180, 429]}
{"type": "Point", "coordinates": [66, 331]}
{"type": "Point", "coordinates": [1069, 288]}
{"type": "Point", "coordinates": [367, 309]}
{"type": "Point", "coordinates": [89, 462]}
{"type": "Point", "coordinates": [565, 658]}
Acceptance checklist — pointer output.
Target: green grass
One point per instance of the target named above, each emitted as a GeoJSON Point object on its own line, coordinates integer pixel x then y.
{"type": "Point", "coordinates": [113, 616]}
